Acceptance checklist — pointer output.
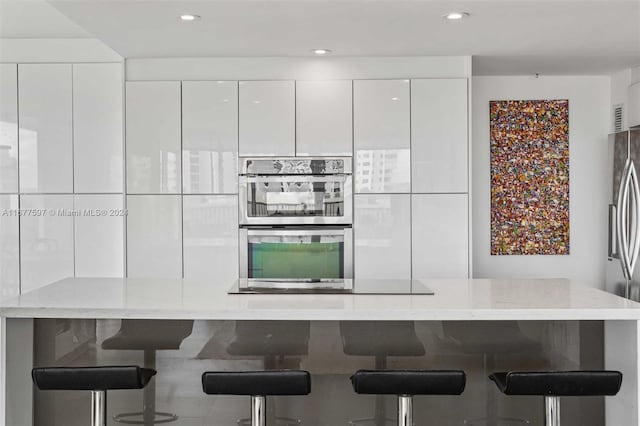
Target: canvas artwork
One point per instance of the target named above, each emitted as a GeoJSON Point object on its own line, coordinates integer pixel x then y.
{"type": "Point", "coordinates": [529, 177]}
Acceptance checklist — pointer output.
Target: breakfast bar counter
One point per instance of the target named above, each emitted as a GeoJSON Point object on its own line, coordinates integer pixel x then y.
{"type": "Point", "coordinates": [535, 301]}
{"type": "Point", "coordinates": [452, 300]}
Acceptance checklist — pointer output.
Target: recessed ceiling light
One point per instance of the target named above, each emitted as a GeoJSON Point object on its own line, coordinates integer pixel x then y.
{"type": "Point", "coordinates": [456, 16]}
{"type": "Point", "coordinates": [188, 17]}
{"type": "Point", "coordinates": [394, 98]}
{"type": "Point", "coordinates": [321, 51]}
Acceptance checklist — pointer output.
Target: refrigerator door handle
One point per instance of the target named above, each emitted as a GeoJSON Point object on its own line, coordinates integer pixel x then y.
{"type": "Point", "coordinates": [634, 207]}
{"type": "Point", "coordinates": [612, 248]}
{"type": "Point", "coordinates": [622, 224]}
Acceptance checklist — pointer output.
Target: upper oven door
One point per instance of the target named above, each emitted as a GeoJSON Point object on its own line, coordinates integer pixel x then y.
{"type": "Point", "coordinates": [296, 200]}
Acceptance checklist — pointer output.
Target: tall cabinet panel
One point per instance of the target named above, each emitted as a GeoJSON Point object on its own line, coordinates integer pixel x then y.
{"type": "Point", "coordinates": [8, 128]}
{"type": "Point", "coordinates": [267, 118]}
{"type": "Point", "coordinates": [46, 239]}
{"type": "Point", "coordinates": [439, 135]}
{"type": "Point", "coordinates": [209, 137]}
{"type": "Point", "coordinates": [211, 237]}
{"type": "Point", "coordinates": [45, 114]}
{"type": "Point", "coordinates": [97, 128]}
{"type": "Point", "coordinates": [9, 245]}
{"type": "Point", "coordinates": [382, 235]}
{"type": "Point", "coordinates": [440, 236]}
{"type": "Point", "coordinates": [381, 127]}
{"type": "Point", "coordinates": [324, 118]}
{"type": "Point", "coordinates": [154, 236]}
{"type": "Point", "coordinates": [153, 137]}
{"type": "Point", "coordinates": [99, 235]}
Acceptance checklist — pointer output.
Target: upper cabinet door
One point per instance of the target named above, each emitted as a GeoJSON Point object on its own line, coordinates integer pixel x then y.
{"type": "Point", "coordinates": [439, 133]}
{"type": "Point", "coordinates": [209, 137]}
{"type": "Point", "coordinates": [97, 128]}
{"type": "Point", "coordinates": [153, 137]}
{"type": "Point", "coordinates": [324, 118]}
{"type": "Point", "coordinates": [267, 118]}
{"type": "Point", "coordinates": [8, 128]}
{"type": "Point", "coordinates": [382, 135]}
{"type": "Point", "coordinates": [45, 135]}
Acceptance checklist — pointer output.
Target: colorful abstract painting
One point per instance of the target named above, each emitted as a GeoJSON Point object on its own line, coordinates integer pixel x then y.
{"type": "Point", "coordinates": [529, 177]}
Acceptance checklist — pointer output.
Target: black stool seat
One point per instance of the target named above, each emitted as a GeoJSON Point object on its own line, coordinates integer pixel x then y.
{"type": "Point", "coordinates": [409, 382]}
{"type": "Point", "coordinates": [272, 382]}
{"type": "Point", "coordinates": [559, 383]}
{"type": "Point", "coordinates": [92, 378]}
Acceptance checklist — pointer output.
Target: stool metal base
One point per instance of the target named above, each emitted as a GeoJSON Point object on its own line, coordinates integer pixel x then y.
{"type": "Point", "coordinates": [279, 421]}
{"type": "Point", "coordinates": [501, 421]}
{"type": "Point", "coordinates": [158, 418]}
{"type": "Point", "coordinates": [372, 421]}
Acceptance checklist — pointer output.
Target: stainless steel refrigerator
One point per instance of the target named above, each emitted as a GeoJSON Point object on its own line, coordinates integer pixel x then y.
{"type": "Point", "coordinates": [623, 271]}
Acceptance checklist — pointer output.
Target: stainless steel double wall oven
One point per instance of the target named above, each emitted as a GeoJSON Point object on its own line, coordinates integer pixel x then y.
{"type": "Point", "coordinates": [296, 217]}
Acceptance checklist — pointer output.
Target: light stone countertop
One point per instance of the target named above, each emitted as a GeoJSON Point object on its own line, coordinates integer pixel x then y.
{"type": "Point", "coordinates": [454, 299]}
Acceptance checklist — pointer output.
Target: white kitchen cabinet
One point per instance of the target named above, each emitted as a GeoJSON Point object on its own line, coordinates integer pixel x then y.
{"type": "Point", "coordinates": [381, 129]}
{"type": "Point", "coordinates": [267, 114]}
{"type": "Point", "coordinates": [154, 236]}
{"type": "Point", "coordinates": [45, 134]}
{"type": "Point", "coordinates": [439, 136]}
{"type": "Point", "coordinates": [211, 237]}
{"type": "Point", "coordinates": [324, 118]}
{"type": "Point", "coordinates": [382, 235]}
{"type": "Point", "coordinates": [46, 239]}
{"type": "Point", "coordinates": [99, 235]}
{"type": "Point", "coordinates": [97, 128]}
{"type": "Point", "coordinates": [153, 137]}
{"type": "Point", "coordinates": [209, 137]}
{"type": "Point", "coordinates": [9, 246]}
{"type": "Point", "coordinates": [8, 128]}
{"type": "Point", "coordinates": [440, 236]}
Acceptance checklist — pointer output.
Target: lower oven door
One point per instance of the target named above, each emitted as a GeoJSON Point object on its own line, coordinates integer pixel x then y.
{"type": "Point", "coordinates": [296, 254]}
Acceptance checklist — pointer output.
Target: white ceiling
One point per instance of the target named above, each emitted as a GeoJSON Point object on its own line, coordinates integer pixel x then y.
{"type": "Point", "coordinates": [505, 36]}
{"type": "Point", "coordinates": [36, 19]}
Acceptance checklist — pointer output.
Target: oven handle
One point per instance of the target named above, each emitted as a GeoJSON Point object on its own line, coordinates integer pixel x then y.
{"type": "Point", "coordinates": [304, 178]}
{"type": "Point", "coordinates": [297, 233]}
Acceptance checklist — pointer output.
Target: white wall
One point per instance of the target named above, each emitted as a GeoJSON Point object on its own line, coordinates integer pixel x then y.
{"type": "Point", "coordinates": [302, 68]}
{"type": "Point", "coordinates": [589, 124]}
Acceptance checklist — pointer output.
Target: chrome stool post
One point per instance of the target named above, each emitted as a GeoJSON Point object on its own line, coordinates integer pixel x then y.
{"type": "Point", "coordinates": [98, 408]}
{"type": "Point", "coordinates": [258, 411]}
{"type": "Point", "coordinates": [552, 410]}
{"type": "Point", "coordinates": [405, 410]}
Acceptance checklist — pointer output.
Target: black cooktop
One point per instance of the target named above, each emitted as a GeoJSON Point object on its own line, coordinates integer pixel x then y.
{"type": "Point", "coordinates": [331, 286]}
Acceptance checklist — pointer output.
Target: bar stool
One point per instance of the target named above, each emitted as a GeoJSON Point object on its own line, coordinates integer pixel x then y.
{"type": "Point", "coordinates": [552, 385]}
{"type": "Point", "coordinates": [491, 339]}
{"type": "Point", "coordinates": [380, 340]}
{"type": "Point", "coordinates": [407, 383]}
{"type": "Point", "coordinates": [98, 380]}
{"type": "Point", "coordinates": [148, 336]}
{"type": "Point", "coordinates": [258, 385]}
